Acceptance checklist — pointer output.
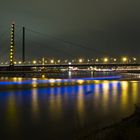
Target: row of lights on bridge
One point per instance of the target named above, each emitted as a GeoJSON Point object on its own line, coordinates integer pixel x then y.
{"type": "Point", "coordinates": [97, 60]}
{"type": "Point", "coordinates": [81, 60]}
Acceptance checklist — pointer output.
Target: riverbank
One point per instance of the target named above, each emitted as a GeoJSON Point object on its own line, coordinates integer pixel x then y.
{"type": "Point", "coordinates": [127, 129]}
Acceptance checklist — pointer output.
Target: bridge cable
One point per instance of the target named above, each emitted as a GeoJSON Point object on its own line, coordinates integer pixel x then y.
{"type": "Point", "coordinates": [68, 42]}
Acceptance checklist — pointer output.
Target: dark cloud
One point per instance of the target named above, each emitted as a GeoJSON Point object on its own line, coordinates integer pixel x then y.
{"type": "Point", "coordinates": [105, 27]}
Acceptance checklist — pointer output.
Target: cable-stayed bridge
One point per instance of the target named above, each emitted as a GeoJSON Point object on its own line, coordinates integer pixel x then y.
{"type": "Point", "coordinates": [24, 65]}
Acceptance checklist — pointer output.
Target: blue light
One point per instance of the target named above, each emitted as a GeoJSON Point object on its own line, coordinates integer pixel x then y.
{"type": "Point", "coordinates": [47, 81]}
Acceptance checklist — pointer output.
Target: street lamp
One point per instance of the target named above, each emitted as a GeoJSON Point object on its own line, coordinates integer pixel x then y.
{"type": "Point", "coordinates": [124, 59]}
{"type": "Point", "coordinates": [135, 59]}
{"type": "Point", "coordinates": [105, 59]}
{"type": "Point", "coordinates": [58, 61]}
{"type": "Point", "coordinates": [80, 60]}
{"type": "Point", "coordinates": [114, 59]}
{"type": "Point", "coordinates": [19, 62]}
{"type": "Point", "coordinates": [52, 61]}
{"type": "Point", "coordinates": [34, 61]}
{"type": "Point", "coordinates": [97, 60]}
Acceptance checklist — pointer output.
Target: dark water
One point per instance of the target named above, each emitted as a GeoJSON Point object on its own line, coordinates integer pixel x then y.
{"type": "Point", "coordinates": [61, 113]}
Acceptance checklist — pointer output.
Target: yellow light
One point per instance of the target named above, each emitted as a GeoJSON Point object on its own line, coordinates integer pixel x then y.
{"type": "Point", "coordinates": [19, 62]}
{"type": "Point", "coordinates": [43, 76]}
{"type": "Point", "coordinates": [80, 60]}
{"type": "Point", "coordinates": [34, 85]}
{"type": "Point", "coordinates": [52, 61]}
{"type": "Point", "coordinates": [134, 59]}
{"type": "Point", "coordinates": [80, 81]}
{"type": "Point", "coordinates": [52, 80]}
{"type": "Point", "coordinates": [15, 62]}
{"type": "Point", "coordinates": [97, 60]}
{"type": "Point", "coordinates": [19, 79]}
{"type": "Point", "coordinates": [115, 59]}
{"type": "Point", "coordinates": [125, 95]}
{"type": "Point", "coordinates": [15, 79]}
{"type": "Point", "coordinates": [97, 81]}
{"type": "Point", "coordinates": [34, 79]}
{"type": "Point", "coordinates": [34, 62]}
{"type": "Point", "coordinates": [105, 59]}
{"type": "Point", "coordinates": [124, 59]}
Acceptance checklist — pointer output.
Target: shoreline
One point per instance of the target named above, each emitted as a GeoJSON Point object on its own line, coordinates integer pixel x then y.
{"type": "Point", "coordinates": [127, 128]}
{"type": "Point", "coordinates": [18, 83]}
{"type": "Point", "coordinates": [22, 83]}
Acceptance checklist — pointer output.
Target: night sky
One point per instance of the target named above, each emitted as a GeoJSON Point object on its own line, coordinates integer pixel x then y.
{"type": "Point", "coordinates": [103, 27]}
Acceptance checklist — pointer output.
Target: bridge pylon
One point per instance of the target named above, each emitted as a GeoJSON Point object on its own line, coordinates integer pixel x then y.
{"type": "Point", "coordinates": [12, 44]}
{"type": "Point", "coordinates": [23, 44]}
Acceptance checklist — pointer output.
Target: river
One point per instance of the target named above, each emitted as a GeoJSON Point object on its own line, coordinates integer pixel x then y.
{"type": "Point", "coordinates": [63, 112]}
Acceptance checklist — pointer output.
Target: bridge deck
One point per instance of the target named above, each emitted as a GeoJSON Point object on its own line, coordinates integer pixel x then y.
{"type": "Point", "coordinates": [77, 65]}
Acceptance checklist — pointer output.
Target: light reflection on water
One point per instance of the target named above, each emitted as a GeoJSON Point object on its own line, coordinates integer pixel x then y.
{"type": "Point", "coordinates": [11, 111]}
{"type": "Point", "coordinates": [80, 105]}
{"type": "Point", "coordinates": [35, 104]}
{"type": "Point", "coordinates": [124, 96]}
{"type": "Point", "coordinates": [59, 111]}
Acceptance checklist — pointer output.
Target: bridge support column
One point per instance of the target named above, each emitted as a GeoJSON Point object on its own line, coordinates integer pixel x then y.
{"type": "Point", "coordinates": [23, 44]}
{"type": "Point", "coordinates": [12, 44]}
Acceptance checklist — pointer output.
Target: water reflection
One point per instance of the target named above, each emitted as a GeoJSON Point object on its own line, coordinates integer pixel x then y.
{"type": "Point", "coordinates": [11, 115]}
{"type": "Point", "coordinates": [35, 104]}
{"type": "Point", "coordinates": [55, 105]}
{"type": "Point", "coordinates": [125, 94]}
{"type": "Point", "coordinates": [135, 91]}
{"type": "Point", "coordinates": [115, 92]}
{"type": "Point", "coordinates": [98, 102]}
{"type": "Point", "coordinates": [80, 105]}
{"type": "Point", "coordinates": [106, 94]}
